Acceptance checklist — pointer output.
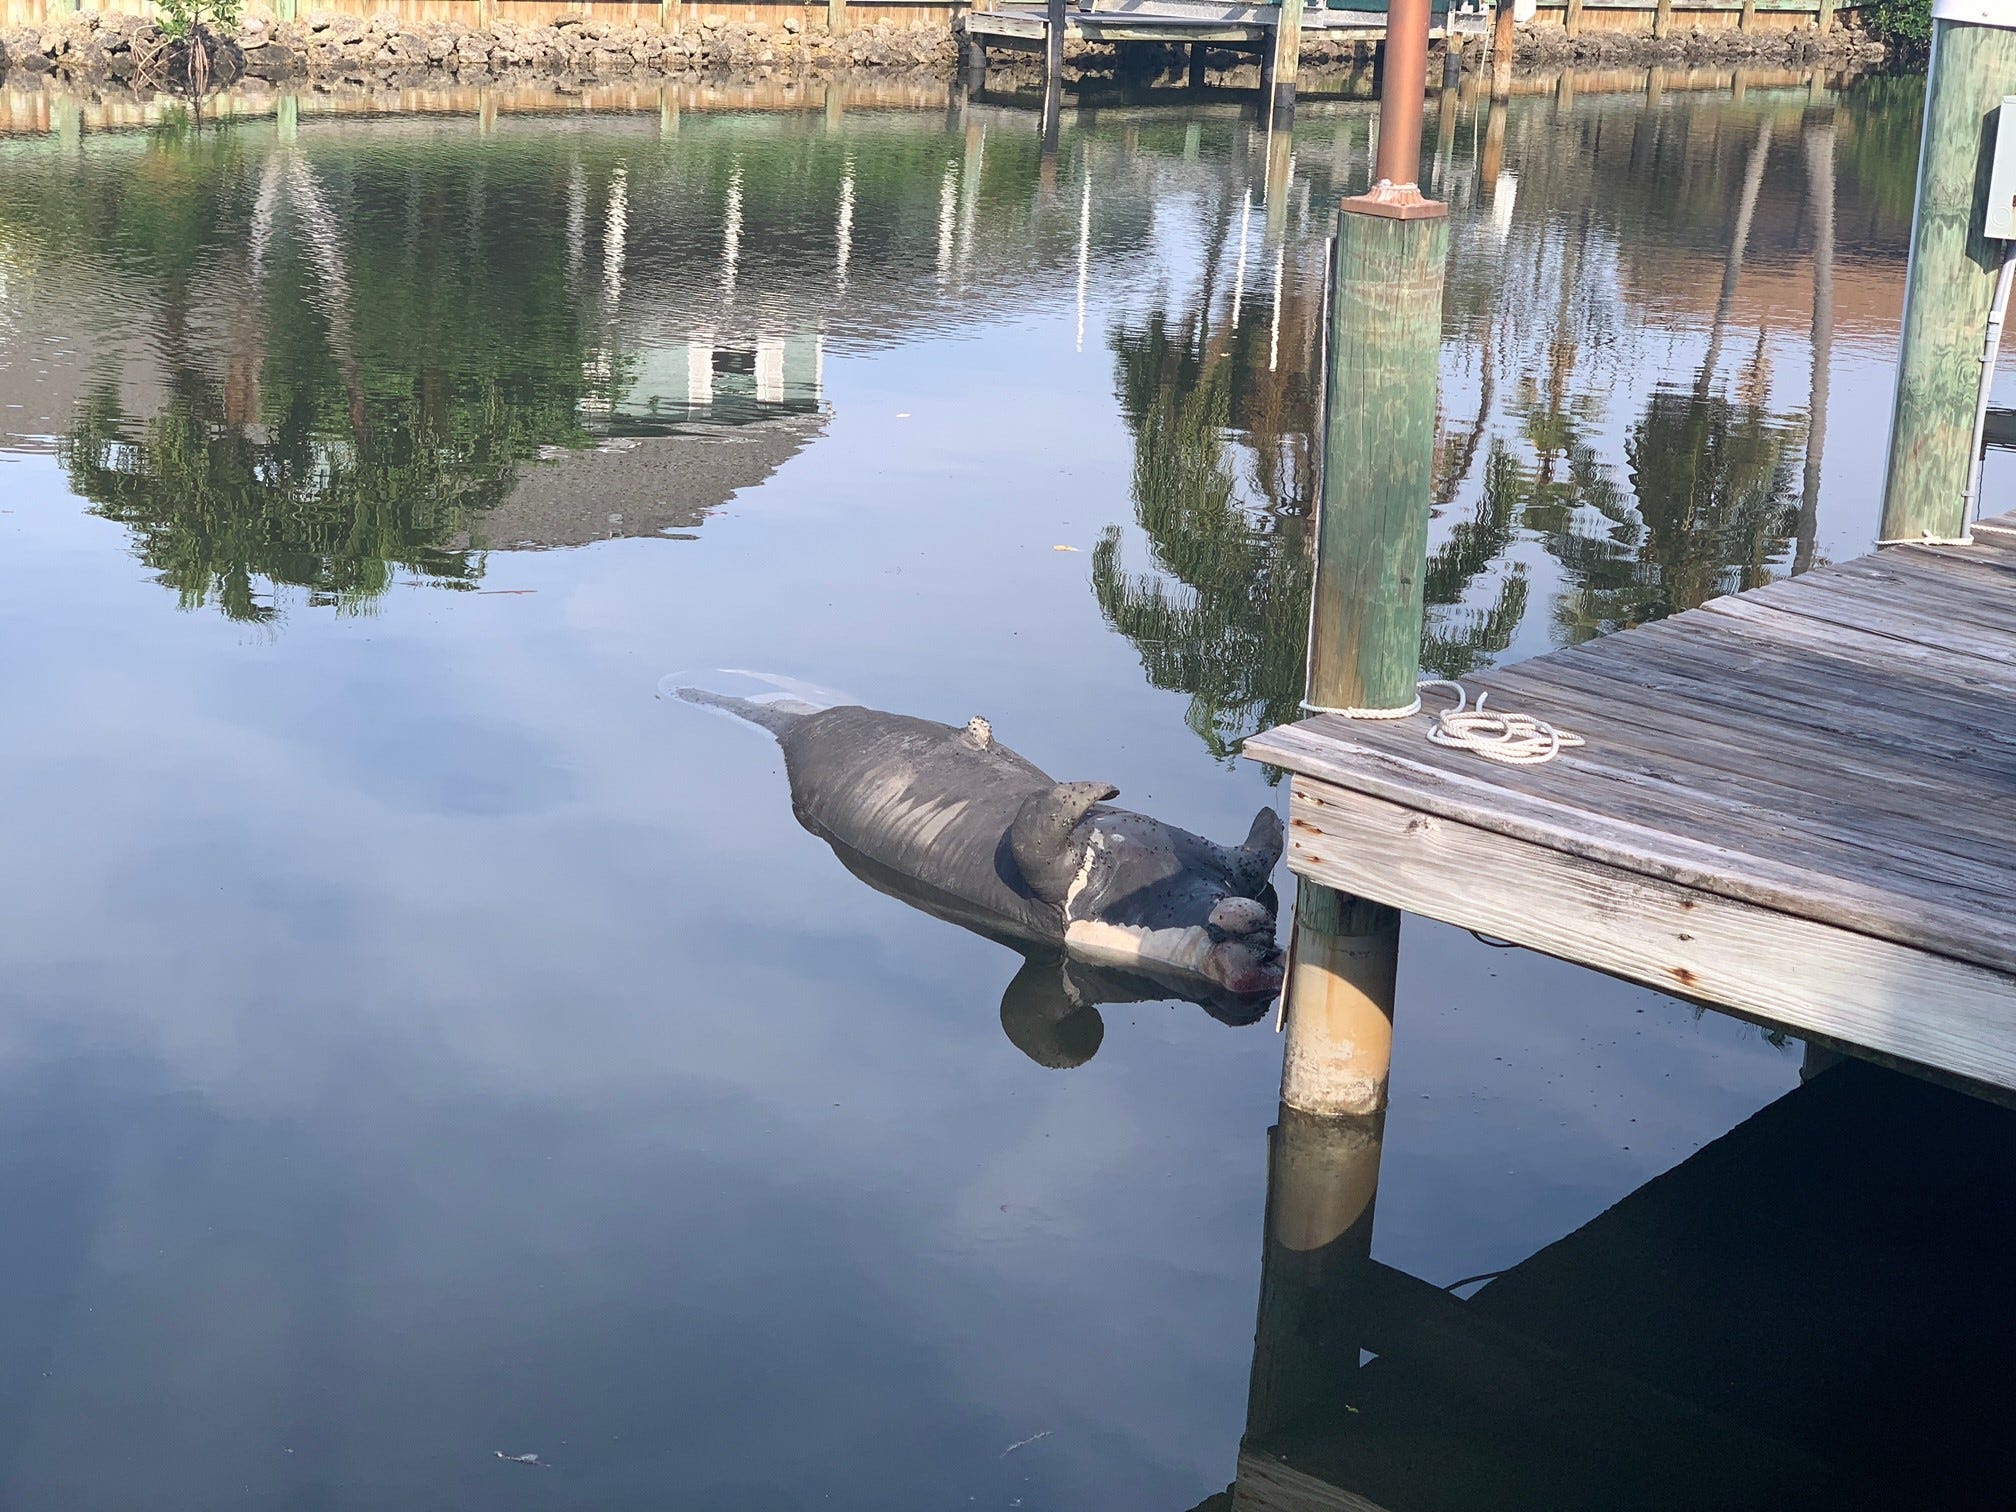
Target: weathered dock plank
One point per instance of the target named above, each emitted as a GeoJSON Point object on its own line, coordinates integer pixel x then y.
{"type": "Point", "coordinates": [1793, 803]}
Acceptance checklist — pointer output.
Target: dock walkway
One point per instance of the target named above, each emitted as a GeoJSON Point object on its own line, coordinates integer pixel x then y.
{"type": "Point", "coordinates": [1797, 804]}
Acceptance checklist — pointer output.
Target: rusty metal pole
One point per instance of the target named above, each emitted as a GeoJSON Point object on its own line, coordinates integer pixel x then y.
{"type": "Point", "coordinates": [1403, 85]}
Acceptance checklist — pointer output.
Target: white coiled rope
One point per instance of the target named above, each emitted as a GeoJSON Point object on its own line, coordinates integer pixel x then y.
{"type": "Point", "coordinates": [1513, 739]}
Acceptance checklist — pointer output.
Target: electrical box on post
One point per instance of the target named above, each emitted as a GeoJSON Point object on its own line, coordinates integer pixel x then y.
{"type": "Point", "coordinates": [2001, 224]}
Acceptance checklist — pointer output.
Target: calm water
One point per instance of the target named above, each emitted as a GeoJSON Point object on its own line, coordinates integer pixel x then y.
{"type": "Point", "coordinates": [423, 1041]}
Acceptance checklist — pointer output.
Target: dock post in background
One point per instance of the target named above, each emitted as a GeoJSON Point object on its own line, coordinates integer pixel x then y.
{"type": "Point", "coordinates": [1503, 45]}
{"type": "Point", "coordinates": [1284, 59]}
{"type": "Point", "coordinates": [836, 15]}
{"type": "Point", "coordinates": [1452, 58]}
{"type": "Point", "coordinates": [1197, 65]}
{"type": "Point", "coordinates": [1820, 197]}
{"type": "Point", "coordinates": [1950, 282]}
{"type": "Point", "coordinates": [974, 57]}
{"type": "Point", "coordinates": [1378, 447]}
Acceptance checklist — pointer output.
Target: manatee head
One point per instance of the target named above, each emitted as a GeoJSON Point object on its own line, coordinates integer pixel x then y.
{"type": "Point", "coordinates": [1148, 896]}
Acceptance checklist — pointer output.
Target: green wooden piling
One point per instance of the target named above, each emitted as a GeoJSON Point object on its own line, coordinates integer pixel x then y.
{"type": "Point", "coordinates": [1662, 18]}
{"type": "Point", "coordinates": [1823, 23]}
{"type": "Point", "coordinates": [1379, 435]}
{"type": "Point", "coordinates": [287, 118]}
{"type": "Point", "coordinates": [1949, 284]}
{"type": "Point", "coordinates": [1378, 448]}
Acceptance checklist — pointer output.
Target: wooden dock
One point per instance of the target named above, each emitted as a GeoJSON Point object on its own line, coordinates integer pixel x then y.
{"type": "Point", "coordinates": [1796, 804]}
{"type": "Point", "coordinates": [1168, 21]}
{"type": "Point", "coordinates": [1272, 33]}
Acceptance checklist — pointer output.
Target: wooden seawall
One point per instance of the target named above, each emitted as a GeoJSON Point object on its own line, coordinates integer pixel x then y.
{"type": "Point", "coordinates": [1797, 804]}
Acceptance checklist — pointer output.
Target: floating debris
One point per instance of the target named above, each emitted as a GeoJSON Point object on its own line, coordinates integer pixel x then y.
{"type": "Point", "coordinates": [523, 1459]}
{"type": "Point", "coordinates": [1063, 548]}
{"type": "Point", "coordinates": [1025, 1443]}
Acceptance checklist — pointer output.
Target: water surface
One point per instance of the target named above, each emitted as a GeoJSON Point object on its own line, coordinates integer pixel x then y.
{"type": "Point", "coordinates": [423, 1041]}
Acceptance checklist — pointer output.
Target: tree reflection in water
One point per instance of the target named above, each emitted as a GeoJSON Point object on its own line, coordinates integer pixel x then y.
{"type": "Point", "coordinates": [1552, 314]}
{"type": "Point", "coordinates": [1229, 630]}
{"type": "Point", "coordinates": [221, 511]}
{"type": "Point", "coordinates": [350, 437]}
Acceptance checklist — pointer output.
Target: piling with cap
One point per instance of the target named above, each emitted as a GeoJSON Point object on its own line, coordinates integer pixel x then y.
{"type": "Point", "coordinates": [1378, 443]}
{"type": "Point", "coordinates": [1950, 279]}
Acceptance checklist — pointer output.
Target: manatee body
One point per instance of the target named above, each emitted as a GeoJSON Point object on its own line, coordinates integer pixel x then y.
{"type": "Point", "coordinates": [984, 836]}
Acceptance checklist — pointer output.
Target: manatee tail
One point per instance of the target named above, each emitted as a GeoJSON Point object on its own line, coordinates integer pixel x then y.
{"type": "Point", "coordinates": [774, 704]}
{"type": "Point", "coordinates": [775, 714]}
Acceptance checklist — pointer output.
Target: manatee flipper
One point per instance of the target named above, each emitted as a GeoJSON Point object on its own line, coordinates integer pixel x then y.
{"type": "Point", "coordinates": [1254, 861]}
{"type": "Point", "coordinates": [1040, 838]}
{"type": "Point", "coordinates": [1044, 1017]}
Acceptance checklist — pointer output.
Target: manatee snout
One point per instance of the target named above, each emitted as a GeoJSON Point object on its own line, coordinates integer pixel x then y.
{"type": "Point", "coordinates": [1243, 968]}
{"type": "Point", "coordinates": [1243, 958]}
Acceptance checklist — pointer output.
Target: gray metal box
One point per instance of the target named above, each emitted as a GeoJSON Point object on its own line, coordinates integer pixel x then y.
{"type": "Point", "coordinates": [2002, 177]}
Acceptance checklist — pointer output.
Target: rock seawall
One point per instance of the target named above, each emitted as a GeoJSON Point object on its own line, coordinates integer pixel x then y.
{"type": "Point", "coordinates": [93, 48]}
{"type": "Point", "coordinates": [1844, 46]}
{"type": "Point", "coordinates": [328, 47]}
